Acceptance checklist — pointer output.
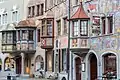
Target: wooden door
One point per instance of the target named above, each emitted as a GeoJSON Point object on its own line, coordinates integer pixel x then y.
{"type": "Point", "coordinates": [78, 72]}
{"type": "Point", "coordinates": [93, 67]}
{"type": "Point", "coordinates": [18, 65]}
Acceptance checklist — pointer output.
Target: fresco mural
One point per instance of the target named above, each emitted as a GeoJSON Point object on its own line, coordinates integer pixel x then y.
{"type": "Point", "coordinates": [105, 42]}
{"type": "Point", "coordinates": [117, 21]}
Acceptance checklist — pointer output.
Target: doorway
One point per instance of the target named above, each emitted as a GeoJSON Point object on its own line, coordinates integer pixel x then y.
{"type": "Point", "coordinates": [93, 67]}
{"type": "Point", "coordinates": [78, 70]}
{"type": "Point", "coordinates": [18, 64]}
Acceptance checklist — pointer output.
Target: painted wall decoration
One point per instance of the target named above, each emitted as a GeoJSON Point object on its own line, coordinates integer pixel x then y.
{"type": "Point", "coordinates": [83, 43]}
{"type": "Point", "coordinates": [110, 42]}
{"type": "Point", "coordinates": [117, 21]}
{"type": "Point", "coordinates": [9, 64]}
{"type": "Point", "coordinates": [74, 42]}
{"type": "Point", "coordinates": [105, 42]}
{"type": "Point", "coordinates": [63, 42]}
{"type": "Point", "coordinates": [96, 43]}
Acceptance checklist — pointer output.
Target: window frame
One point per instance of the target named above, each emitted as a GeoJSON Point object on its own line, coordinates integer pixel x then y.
{"type": "Point", "coordinates": [49, 27]}
{"type": "Point", "coordinates": [65, 25]}
{"type": "Point", "coordinates": [15, 16]}
{"type": "Point", "coordinates": [59, 27]}
{"type": "Point", "coordinates": [75, 31]}
{"type": "Point", "coordinates": [110, 24]}
{"type": "Point", "coordinates": [84, 31]}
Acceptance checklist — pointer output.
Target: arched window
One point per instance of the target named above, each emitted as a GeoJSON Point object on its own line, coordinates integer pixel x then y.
{"type": "Point", "coordinates": [39, 63]}
{"type": "Point", "coordinates": [110, 67]}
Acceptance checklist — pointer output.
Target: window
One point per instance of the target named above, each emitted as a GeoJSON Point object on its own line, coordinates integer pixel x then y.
{"type": "Point", "coordinates": [76, 2]}
{"type": "Point", "coordinates": [59, 1]}
{"type": "Point", "coordinates": [15, 16]}
{"type": "Point", "coordinates": [29, 11]}
{"type": "Point", "coordinates": [3, 38]}
{"type": "Point", "coordinates": [103, 26]}
{"type": "Point", "coordinates": [110, 24]}
{"type": "Point", "coordinates": [24, 35]}
{"type": "Point", "coordinates": [18, 35]}
{"type": "Point", "coordinates": [75, 28]}
{"type": "Point", "coordinates": [42, 9]}
{"type": "Point", "coordinates": [43, 27]}
{"type": "Point", "coordinates": [33, 11]}
{"type": "Point", "coordinates": [38, 31]}
{"type": "Point", "coordinates": [59, 27]}
{"type": "Point", "coordinates": [83, 28]}
{"type": "Point", "coordinates": [110, 64]}
{"type": "Point", "coordinates": [9, 37]}
{"type": "Point", "coordinates": [49, 27]}
{"type": "Point", "coordinates": [4, 18]}
{"type": "Point", "coordinates": [38, 10]}
{"type": "Point", "coordinates": [65, 25]}
{"type": "Point", "coordinates": [0, 19]}
{"type": "Point", "coordinates": [30, 34]}
{"type": "Point", "coordinates": [64, 64]}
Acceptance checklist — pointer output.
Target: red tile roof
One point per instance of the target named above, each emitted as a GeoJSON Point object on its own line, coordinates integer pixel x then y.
{"type": "Point", "coordinates": [80, 13]}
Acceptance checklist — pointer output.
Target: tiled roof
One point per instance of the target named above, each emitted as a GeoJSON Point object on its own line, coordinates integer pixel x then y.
{"type": "Point", "coordinates": [28, 23]}
{"type": "Point", "coordinates": [80, 13]}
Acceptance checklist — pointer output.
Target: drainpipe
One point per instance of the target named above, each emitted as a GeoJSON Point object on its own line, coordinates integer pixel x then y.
{"type": "Point", "coordinates": [68, 51]}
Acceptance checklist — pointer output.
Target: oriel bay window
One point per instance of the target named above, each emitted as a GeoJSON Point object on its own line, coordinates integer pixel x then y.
{"type": "Point", "coordinates": [47, 27]}
{"type": "Point", "coordinates": [8, 41]}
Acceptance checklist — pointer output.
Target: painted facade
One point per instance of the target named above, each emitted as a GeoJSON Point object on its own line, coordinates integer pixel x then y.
{"type": "Point", "coordinates": [102, 56]}
{"type": "Point", "coordinates": [10, 15]}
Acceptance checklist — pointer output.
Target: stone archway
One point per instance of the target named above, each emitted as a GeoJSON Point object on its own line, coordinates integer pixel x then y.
{"type": "Point", "coordinates": [39, 63]}
{"type": "Point", "coordinates": [93, 66]}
